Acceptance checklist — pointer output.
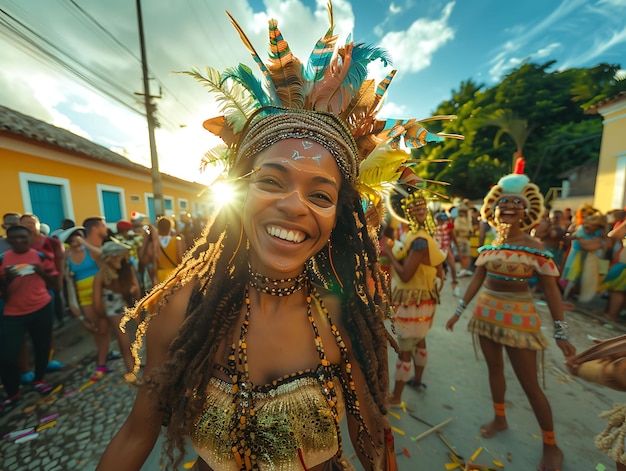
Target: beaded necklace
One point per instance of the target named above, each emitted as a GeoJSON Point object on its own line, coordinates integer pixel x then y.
{"type": "Point", "coordinates": [242, 434]}
{"type": "Point", "coordinates": [274, 287]}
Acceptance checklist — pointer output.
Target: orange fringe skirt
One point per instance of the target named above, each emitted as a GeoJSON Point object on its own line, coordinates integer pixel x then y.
{"type": "Point", "coordinates": [509, 319]}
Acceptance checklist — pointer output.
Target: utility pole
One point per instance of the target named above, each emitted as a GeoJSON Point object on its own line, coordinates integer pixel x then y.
{"type": "Point", "coordinates": [157, 186]}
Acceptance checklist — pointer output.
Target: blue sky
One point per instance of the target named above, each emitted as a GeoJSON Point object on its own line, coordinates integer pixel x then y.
{"type": "Point", "coordinates": [435, 45]}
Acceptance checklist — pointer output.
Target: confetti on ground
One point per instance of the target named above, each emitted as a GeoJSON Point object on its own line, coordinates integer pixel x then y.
{"type": "Point", "coordinates": [86, 385]}
{"type": "Point", "coordinates": [600, 467]}
{"type": "Point", "coordinates": [476, 453]}
{"type": "Point", "coordinates": [18, 433]}
{"type": "Point", "coordinates": [393, 414]}
{"type": "Point", "coordinates": [46, 425]}
{"type": "Point", "coordinates": [453, 388]}
{"type": "Point", "coordinates": [48, 418]}
{"type": "Point", "coordinates": [27, 438]}
{"type": "Point", "coordinates": [189, 464]}
{"type": "Point", "coordinates": [57, 389]}
{"type": "Point", "coordinates": [397, 430]}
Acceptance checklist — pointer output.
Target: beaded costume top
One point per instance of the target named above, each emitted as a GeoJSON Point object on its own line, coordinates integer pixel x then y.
{"type": "Point", "coordinates": [292, 417]}
{"type": "Point", "coordinates": [516, 263]}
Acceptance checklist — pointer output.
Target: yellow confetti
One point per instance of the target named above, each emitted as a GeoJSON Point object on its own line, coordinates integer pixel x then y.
{"type": "Point", "coordinates": [57, 389]}
{"type": "Point", "coordinates": [393, 414]}
{"type": "Point", "coordinates": [498, 463]}
{"type": "Point", "coordinates": [397, 430]}
{"type": "Point", "coordinates": [403, 406]}
{"type": "Point", "coordinates": [453, 388]}
{"type": "Point", "coordinates": [86, 385]}
{"type": "Point", "coordinates": [535, 436]}
{"type": "Point", "coordinates": [45, 426]}
{"type": "Point", "coordinates": [190, 464]}
{"type": "Point", "coordinates": [476, 453]}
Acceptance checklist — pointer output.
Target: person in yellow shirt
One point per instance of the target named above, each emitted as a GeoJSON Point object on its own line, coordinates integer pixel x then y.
{"type": "Point", "coordinates": [171, 249]}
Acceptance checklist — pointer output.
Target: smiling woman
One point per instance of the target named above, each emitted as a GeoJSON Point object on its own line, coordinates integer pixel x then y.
{"type": "Point", "coordinates": [505, 316]}
{"type": "Point", "coordinates": [271, 331]}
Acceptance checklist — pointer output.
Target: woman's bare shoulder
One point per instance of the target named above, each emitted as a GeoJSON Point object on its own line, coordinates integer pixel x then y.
{"type": "Point", "coordinates": [165, 325]}
{"type": "Point", "coordinates": [533, 243]}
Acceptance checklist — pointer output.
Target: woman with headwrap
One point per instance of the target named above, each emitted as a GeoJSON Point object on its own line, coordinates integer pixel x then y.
{"type": "Point", "coordinates": [505, 317]}
{"type": "Point", "coordinates": [271, 330]}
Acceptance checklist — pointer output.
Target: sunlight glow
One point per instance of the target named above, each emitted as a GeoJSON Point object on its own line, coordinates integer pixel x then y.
{"type": "Point", "coordinates": [222, 193]}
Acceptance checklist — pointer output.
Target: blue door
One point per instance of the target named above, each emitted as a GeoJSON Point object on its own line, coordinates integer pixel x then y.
{"type": "Point", "coordinates": [151, 213]}
{"type": "Point", "coordinates": [168, 208]}
{"type": "Point", "coordinates": [46, 200]}
{"type": "Point", "coordinates": [111, 200]}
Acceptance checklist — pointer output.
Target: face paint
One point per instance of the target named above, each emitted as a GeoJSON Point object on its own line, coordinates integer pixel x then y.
{"type": "Point", "coordinates": [296, 156]}
{"type": "Point", "coordinates": [291, 206]}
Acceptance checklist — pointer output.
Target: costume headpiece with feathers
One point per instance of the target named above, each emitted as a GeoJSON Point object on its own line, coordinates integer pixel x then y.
{"type": "Point", "coordinates": [333, 80]}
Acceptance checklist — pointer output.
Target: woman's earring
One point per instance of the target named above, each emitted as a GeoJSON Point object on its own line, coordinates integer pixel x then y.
{"type": "Point", "coordinates": [332, 265]}
{"type": "Point", "coordinates": [238, 243]}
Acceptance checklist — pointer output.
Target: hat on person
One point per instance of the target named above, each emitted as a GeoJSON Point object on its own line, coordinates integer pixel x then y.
{"type": "Point", "coordinates": [111, 248]}
{"type": "Point", "coordinates": [64, 235]}
{"type": "Point", "coordinates": [124, 225]}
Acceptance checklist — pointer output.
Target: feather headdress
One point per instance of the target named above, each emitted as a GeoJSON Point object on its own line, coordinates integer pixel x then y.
{"type": "Point", "coordinates": [333, 80]}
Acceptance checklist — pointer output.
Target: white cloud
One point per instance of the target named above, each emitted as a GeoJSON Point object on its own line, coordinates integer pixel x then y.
{"type": "Point", "coordinates": [412, 50]}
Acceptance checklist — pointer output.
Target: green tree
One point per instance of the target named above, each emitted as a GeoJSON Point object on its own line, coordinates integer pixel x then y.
{"type": "Point", "coordinates": [535, 109]}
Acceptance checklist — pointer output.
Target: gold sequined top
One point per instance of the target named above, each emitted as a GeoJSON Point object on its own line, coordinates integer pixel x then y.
{"type": "Point", "coordinates": [291, 414]}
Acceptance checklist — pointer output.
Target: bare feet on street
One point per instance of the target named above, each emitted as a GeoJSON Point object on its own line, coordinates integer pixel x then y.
{"type": "Point", "coordinates": [496, 425]}
{"type": "Point", "coordinates": [552, 458]}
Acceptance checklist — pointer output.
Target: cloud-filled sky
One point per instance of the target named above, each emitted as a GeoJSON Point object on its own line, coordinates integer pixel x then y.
{"type": "Point", "coordinates": [76, 63]}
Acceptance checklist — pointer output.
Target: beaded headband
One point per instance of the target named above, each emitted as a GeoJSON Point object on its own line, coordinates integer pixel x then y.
{"type": "Point", "coordinates": [332, 82]}
{"type": "Point", "coordinates": [270, 125]}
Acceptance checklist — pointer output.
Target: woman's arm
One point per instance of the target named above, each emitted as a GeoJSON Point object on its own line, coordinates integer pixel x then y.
{"type": "Point", "coordinates": [552, 295]}
{"type": "Point", "coordinates": [134, 441]}
{"type": "Point", "coordinates": [472, 288]}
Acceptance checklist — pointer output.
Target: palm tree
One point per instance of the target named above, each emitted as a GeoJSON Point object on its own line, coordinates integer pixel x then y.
{"type": "Point", "coordinates": [517, 128]}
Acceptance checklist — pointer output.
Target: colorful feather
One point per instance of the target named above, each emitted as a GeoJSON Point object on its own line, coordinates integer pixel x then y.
{"type": "Point", "coordinates": [285, 70]}
{"type": "Point", "coordinates": [322, 52]}
{"type": "Point", "coordinates": [327, 94]}
{"type": "Point", "coordinates": [234, 99]}
{"type": "Point", "coordinates": [361, 103]}
{"type": "Point", "coordinates": [383, 85]}
{"type": "Point", "coordinates": [381, 168]}
{"type": "Point", "coordinates": [268, 81]}
{"type": "Point", "coordinates": [218, 156]}
{"type": "Point", "coordinates": [362, 56]}
{"type": "Point", "coordinates": [243, 75]}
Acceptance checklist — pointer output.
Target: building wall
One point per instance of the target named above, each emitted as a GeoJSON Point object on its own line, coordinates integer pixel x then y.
{"type": "Point", "coordinates": [83, 179]}
{"type": "Point", "coordinates": [611, 179]}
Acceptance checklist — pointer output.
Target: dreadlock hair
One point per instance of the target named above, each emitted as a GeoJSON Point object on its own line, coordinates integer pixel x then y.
{"type": "Point", "coordinates": [217, 265]}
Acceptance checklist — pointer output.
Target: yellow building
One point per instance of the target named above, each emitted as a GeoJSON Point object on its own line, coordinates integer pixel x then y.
{"type": "Point", "coordinates": [56, 175]}
{"type": "Point", "coordinates": [610, 191]}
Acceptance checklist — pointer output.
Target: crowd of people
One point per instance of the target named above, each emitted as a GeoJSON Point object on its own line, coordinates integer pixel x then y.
{"type": "Point", "coordinates": [89, 272]}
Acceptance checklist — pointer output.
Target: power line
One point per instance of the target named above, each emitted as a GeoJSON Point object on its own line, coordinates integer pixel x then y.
{"type": "Point", "coordinates": [125, 48]}
{"type": "Point", "coordinates": [54, 58]}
